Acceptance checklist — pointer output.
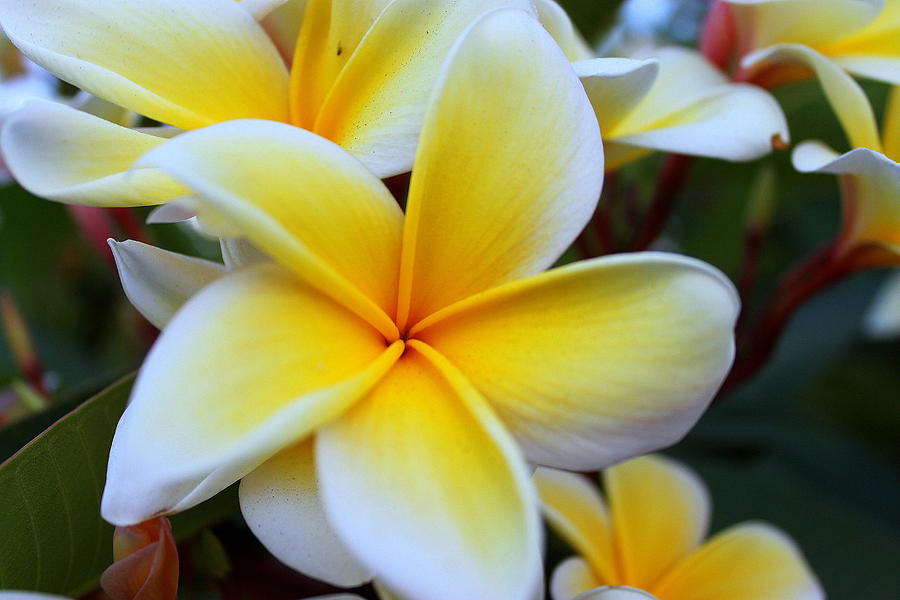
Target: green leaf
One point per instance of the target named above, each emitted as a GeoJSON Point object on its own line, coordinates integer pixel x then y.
{"type": "Point", "coordinates": [52, 538]}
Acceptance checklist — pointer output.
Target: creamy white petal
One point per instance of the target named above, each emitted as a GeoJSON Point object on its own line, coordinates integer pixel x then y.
{"type": "Point", "coordinates": [572, 577]}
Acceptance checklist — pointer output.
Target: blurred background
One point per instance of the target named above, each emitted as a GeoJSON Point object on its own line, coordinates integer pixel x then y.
{"type": "Point", "coordinates": [809, 444]}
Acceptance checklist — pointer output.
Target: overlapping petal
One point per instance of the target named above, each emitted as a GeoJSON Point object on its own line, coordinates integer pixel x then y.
{"type": "Point", "coordinates": [616, 592]}
{"type": "Point", "coordinates": [300, 199]}
{"type": "Point", "coordinates": [286, 360]}
{"type": "Point", "coordinates": [753, 561]}
{"type": "Point", "coordinates": [427, 488]}
{"type": "Point", "coordinates": [616, 86]}
{"type": "Point", "coordinates": [575, 509]}
{"type": "Point", "coordinates": [598, 361]}
{"type": "Point", "coordinates": [558, 24]}
{"type": "Point", "coordinates": [506, 175]}
{"type": "Point", "coordinates": [660, 514]}
{"type": "Point", "coordinates": [63, 154]}
{"type": "Point", "coordinates": [187, 64]}
{"type": "Point", "coordinates": [158, 282]}
{"type": "Point", "coordinates": [573, 576]}
{"type": "Point", "coordinates": [282, 503]}
{"type": "Point", "coordinates": [377, 105]}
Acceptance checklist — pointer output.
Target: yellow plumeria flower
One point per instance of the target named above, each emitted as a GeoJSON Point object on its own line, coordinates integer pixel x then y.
{"type": "Point", "coordinates": [361, 77]}
{"type": "Point", "coordinates": [648, 533]}
{"type": "Point", "coordinates": [870, 178]}
{"type": "Point", "coordinates": [380, 382]}
{"type": "Point", "coordinates": [671, 100]}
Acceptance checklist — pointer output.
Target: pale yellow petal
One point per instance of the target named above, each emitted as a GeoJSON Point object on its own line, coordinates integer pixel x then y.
{"type": "Point", "coordinates": [660, 514]}
{"type": "Point", "coordinates": [283, 26]}
{"type": "Point", "coordinates": [753, 561]}
{"type": "Point", "coordinates": [598, 361]}
{"type": "Point", "coordinates": [281, 501]}
{"type": "Point", "coordinates": [252, 364]}
{"type": "Point", "coordinates": [377, 105]}
{"type": "Point", "coordinates": [300, 199]}
{"type": "Point", "coordinates": [890, 137]}
{"type": "Point", "coordinates": [558, 24]}
{"type": "Point", "coordinates": [615, 87]}
{"type": "Point", "coordinates": [576, 511]}
{"type": "Point", "coordinates": [847, 99]}
{"type": "Point", "coordinates": [187, 64]}
{"type": "Point", "coordinates": [428, 490]}
{"type": "Point", "coordinates": [572, 577]}
{"type": "Point", "coordinates": [158, 282]}
{"type": "Point", "coordinates": [873, 51]}
{"type": "Point", "coordinates": [509, 168]}
{"type": "Point", "coordinates": [66, 155]}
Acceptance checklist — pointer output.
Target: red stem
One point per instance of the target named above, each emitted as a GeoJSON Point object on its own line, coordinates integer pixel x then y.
{"type": "Point", "coordinates": [671, 179]}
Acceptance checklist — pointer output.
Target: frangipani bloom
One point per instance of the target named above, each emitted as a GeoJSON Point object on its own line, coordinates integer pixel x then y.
{"type": "Point", "coordinates": [648, 533]}
{"type": "Point", "coordinates": [870, 178]}
{"type": "Point", "coordinates": [671, 100]}
{"type": "Point", "coordinates": [380, 382]}
{"type": "Point", "coordinates": [361, 77]}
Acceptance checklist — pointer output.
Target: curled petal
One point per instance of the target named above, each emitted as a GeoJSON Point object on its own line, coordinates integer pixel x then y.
{"type": "Point", "coordinates": [572, 577]}
{"type": "Point", "coordinates": [146, 566]}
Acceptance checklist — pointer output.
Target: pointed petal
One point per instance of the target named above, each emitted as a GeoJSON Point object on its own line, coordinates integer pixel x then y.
{"type": "Point", "coordinates": [576, 511]}
{"type": "Point", "coordinates": [660, 511]}
{"type": "Point", "coordinates": [259, 8]}
{"type": "Point", "coordinates": [320, 212]}
{"type": "Point", "coordinates": [847, 99]}
{"type": "Point", "coordinates": [158, 282]}
{"type": "Point", "coordinates": [66, 155]}
{"type": "Point", "coordinates": [558, 24]}
{"type": "Point", "coordinates": [377, 105]}
{"type": "Point", "coordinates": [871, 191]}
{"type": "Point", "coordinates": [615, 86]}
{"type": "Point", "coordinates": [753, 561]}
{"type": "Point", "coordinates": [185, 64]}
{"type": "Point", "coordinates": [250, 365]}
{"type": "Point", "coordinates": [281, 502]}
{"type": "Point", "coordinates": [238, 252]}
{"type": "Point", "coordinates": [509, 168]}
{"type": "Point", "coordinates": [283, 26]}
{"type": "Point", "coordinates": [572, 577]}
{"type": "Point", "coordinates": [616, 592]}
{"type": "Point", "coordinates": [598, 361]}
{"type": "Point", "coordinates": [690, 109]}
{"type": "Point", "coordinates": [428, 490]}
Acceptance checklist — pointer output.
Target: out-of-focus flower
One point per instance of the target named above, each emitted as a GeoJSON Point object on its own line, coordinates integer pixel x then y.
{"type": "Point", "coordinates": [670, 99]}
{"type": "Point", "coordinates": [146, 563]}
{"type": "Point", "coordinates": [648, 533]}
{"type": "Point", "coordinates": [870, 179]}
{"type": "Point", "coordinates": [361, 77]}
{"type": "Point", "coordinates": [883, 319]}
{"type": "Point", "coordinates": [379, 383]}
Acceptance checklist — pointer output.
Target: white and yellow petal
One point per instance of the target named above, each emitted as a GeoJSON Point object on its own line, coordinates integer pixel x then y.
{"type": "Point", "coordinates": [286, 360]}
{"type": "Point", "coordinates": [598, 361]}
{"type": "Point", "coordinates": [616, 592]}
{"type": "Point", "coordinates": [319, 211]}
{"type": "Point", "coordinates": [507, 173]}
{"type": "Point", "coordinates": [377, 104]}
{"type": "Point", "coordinates": [753, 561]}
{"type": "Point", "coordinates": [428, 490]}
{"type": "Point", "coordinates": [63, 154]}
{"type": "Point", "coordinates": [282, 504]}
{"type": "Point", "coordinates": [184, 64]}
{"type": "Point", "coordinates": [872, 51]}
{"type": "Point", "coordinates": [572, 577]}
{"type": "Point", "coordinates": [660, 514]}
{"type": "Point", "coordinates": [558, 24]}
{"type": "Point", "coordinates": [158, 282]}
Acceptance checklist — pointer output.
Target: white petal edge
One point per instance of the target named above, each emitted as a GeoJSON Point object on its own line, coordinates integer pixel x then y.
{"type": "Point", "coordinates": [616, 592]}
{"type": "Point", "coordinates": [571, 578]}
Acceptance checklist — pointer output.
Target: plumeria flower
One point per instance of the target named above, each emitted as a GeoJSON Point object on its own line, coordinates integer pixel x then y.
{"type": "Point", "coordinates": [648, 533]}
{"type": "Point", "coordinates": [672, 100]}
{"type": "Point", "coordinates": [870, 180]}
{"type": "Point", "coordinates": [882, 321]}
{"type": "Point", "coordinates": [361, 76]}
{"type": "Point", "coordinates": [380, 382]}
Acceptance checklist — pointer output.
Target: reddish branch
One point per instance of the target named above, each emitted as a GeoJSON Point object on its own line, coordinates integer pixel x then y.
{"type": "Point", "coordinates": [672, 177]}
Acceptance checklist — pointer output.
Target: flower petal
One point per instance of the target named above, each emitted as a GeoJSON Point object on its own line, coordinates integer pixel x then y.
{"type": "Point", "coordinates": [249, 366]}
{"type": "Point", "coordinates": [377, 105]}
{"type": "Point", "coordinates": [615, 86]}
{"type": "Point", "coordinates": [598, 361]}
{"type": "Point", "coordinates": [847, 99]}
{"type": "Point", "coordinates": [509, 168]}
{"type": "Point", "coordinates": [238, 252]}
{"type": "Point", "coordinates": [259, 8]}
{"type": "Point", "coordinates": [558, 24]}
{"type": "Point", "coordinates": [281, 502]}
{"type": "Point", "coordinates": [891, 126]}
{"type": "Point", "coordinates": [691, 109]}
{"type": "Point", "coordinates": [320, 212]}
{"type": "Point", "coordinates": [428, 490]}
{"type": "Point", "coordinates": [753, 561]}
{"type": "Point", "coordinates": [616, 592]}
{"type": "Point", "coordinates": [660, 511]}
{"type": "Point", "coordinates": [158, 282]}
{"type": "Point", "coordinates": [572, 577]}
{"type": "Point", "coordinates": [185, 64]}
{"type": "Point", "coordinates": [882, 321]}
{"type": "Point", "coordinates": [66, 155]}
{"type": "Point", "coordinates": [871, 191]}
{"type": "Point", "coordinates": [872, 51]}
{"type": "Point", "coordinates": [576, 511]}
